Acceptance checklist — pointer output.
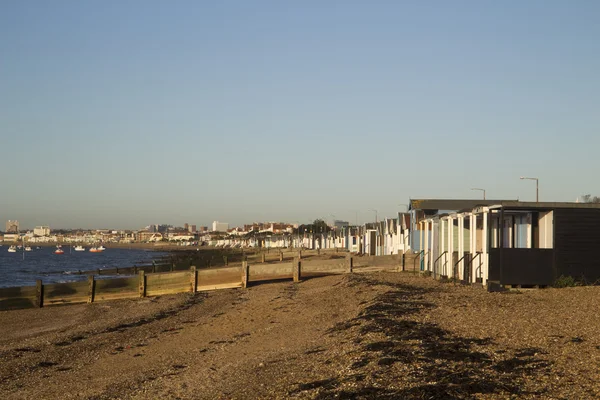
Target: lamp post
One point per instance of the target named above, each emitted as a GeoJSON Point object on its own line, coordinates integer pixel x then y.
{"type": "Point", "coordinates": [483, 190]}
{"type": "Point", "coordinates": [537, 187]}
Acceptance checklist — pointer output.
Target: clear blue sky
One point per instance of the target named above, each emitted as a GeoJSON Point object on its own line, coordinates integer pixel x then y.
{"type": "Point", "coordinates": [119, 114]}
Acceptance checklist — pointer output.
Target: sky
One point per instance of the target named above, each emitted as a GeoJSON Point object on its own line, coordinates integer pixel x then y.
{"type": "Point", "coordinates": [119, 114]}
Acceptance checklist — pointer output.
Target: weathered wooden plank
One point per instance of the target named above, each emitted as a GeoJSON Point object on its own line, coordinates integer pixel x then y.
{"type": "Point", "coordinates": [219, 276]}
{"type": "Point", "coordinates": [91, 288]}
{"type": "Point", "coordinates": [266, 272]}
{"type": "Point", "coordinates": [324, 267]}
{"type": "Point", "coordinates": [163, 268]}
{"type": "Point", "coordinates": [245, 274]}
{"type": "Point", "coordinates": [221, 286]}
{"type": "Point", "coordinates": [375, 268]}
{"type": "Point", "coordinates": [66, 293]}
{"type": "Point", "coordinates": [167, 283]}
{"type": "Point", "coordinates": [15, 298]}
{"type": "Point", "coordinates": [297, 270]}
{"type": "Point", "coordinates": [39, 293]}
{"type": "Point", "coordinates": [377, 260]}
{"type": "Point", "coordinates": [193, 278]}
{"type": "Point", "coordinates": [128, 271]}
{"type": "Point", "coordinates": [116, 288]}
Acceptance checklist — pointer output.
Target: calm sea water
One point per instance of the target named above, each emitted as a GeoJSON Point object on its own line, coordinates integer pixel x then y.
{"type": "Point", "coordinates": [53, 268]}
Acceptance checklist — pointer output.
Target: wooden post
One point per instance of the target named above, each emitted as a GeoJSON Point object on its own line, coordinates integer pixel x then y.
{"type": "Point", "coordinates": [172, 266]}
{"type": "Point", "coordinates": [99, 272]}
{"type": "Point", "coordinates": [281, 256]}
{"type": "Point", "coordinates": [296, 270]}
{"type": "Point", "coordinates": [245, 274]}
{"type": "Point", "coordinates": [153, 267]}
{"type": "Point", "coordinates": [262, 257]}
{"type": "Point", "coordinates": [193, 278]}
{"type": "Point", "coordinates": [142, 284]}
{"type": "Point", "coordinates": [350, 262]}
{"type": "Point", "coordinates": [91, 288]}
{"type": "Point", "coordinates": [225, 260]}
{"type": "Point", "coordinates": [299, 254]}
{"type": "Point", "coordinates": [319, 251]}
{"type": "Point", "coordinates": [39, 293]}
{"type": "Point", "coordinates": [400, 261]}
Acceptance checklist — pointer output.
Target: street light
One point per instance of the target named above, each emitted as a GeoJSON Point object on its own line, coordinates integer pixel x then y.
{"type": "Point", "coordinates": [537, 188]}
{"type": "Point", "coordinates": [483, 190]}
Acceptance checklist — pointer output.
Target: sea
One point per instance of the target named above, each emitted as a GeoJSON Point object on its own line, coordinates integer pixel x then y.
{"type": "Point", "coordinates": [24, 268]}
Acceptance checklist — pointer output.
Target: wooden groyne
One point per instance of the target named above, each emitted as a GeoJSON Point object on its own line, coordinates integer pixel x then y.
{"type": "Point", "coordinates": [161, 280]}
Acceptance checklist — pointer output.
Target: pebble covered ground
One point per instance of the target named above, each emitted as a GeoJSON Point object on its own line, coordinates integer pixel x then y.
{"type": "Point", "coordinates": [376, 335]}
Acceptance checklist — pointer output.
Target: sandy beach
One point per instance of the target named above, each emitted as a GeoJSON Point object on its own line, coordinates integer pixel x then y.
{"type": "Point", "coordinates": [376, 335]}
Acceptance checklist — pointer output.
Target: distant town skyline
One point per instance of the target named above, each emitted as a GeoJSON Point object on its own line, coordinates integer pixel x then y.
{"type": "Point", "coordinates": [120, 114]}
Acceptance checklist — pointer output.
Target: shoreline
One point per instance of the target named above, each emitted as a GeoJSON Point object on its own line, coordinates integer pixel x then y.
{"type": "Point", "coordinates": [133, 246]}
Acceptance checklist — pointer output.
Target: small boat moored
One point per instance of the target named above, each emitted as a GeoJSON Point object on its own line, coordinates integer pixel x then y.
{"type": "Point", "coordinates": [27, 248]}
{"type": "Point", "coordinates": [12, 249]}
{"type": "Point", "coordinates": [59, 250]}
{"type": "Point", "coordinates": [79, 248]}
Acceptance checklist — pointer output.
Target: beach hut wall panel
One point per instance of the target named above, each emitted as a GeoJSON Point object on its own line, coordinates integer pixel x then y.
{"type": "Point", "coordinates": [544, 241]}
{"type": "Point", "coordinates": [545, 231]}
{"type": "Point", "coordinates": [577, 243]}
{"type": "Point", "coordinates": [370, 242]}
{"type": "Point", "coordinates": [521, 266]}
{"type": "Point", "coordinates": [455, 235]}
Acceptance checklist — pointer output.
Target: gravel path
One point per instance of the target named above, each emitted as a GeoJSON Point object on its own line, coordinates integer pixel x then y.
{"type": "Point", "coordinates": [376, 335]}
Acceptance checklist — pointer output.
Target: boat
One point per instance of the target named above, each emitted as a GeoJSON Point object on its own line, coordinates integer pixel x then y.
{"type": "Point", "coordinates": [79, 248]}
{"type": "Point", "coordinates": [12, 249]}
{"type": "Point", "coordinates": [95, 250]}
{"type": "Point", "coordinates": [101, 248]}
{"type": "Point", "coordinates": [59, 250]}
{"type": "Point", "coordinates": [27, 248]}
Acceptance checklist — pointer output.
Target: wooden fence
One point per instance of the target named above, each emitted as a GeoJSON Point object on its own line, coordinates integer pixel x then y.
{"type": "Point", "coordinates": [191, 280]}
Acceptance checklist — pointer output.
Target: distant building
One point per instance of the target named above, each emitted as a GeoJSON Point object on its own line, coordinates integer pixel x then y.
{"type": "Point", "coordinates": [203, 229]}
{"type": "Point", "coordinates": [152, 228]}
{"type": "Point", "coordinates": [220, 226]}
{"type": "Point", "coordinates": [145, 236]}
{"type": "Point", "coordinates": [11, 237]}
{"type": "Point", "coordinates": [337, 224]}
{"type": "Point", "coordinates": [192, 228]}
{"type": "Point", "coordinates": [41, 231]}
{"type": "Point", "coordinates": [12, 226]}
{"type": "Point", "coordinates": [163, 228]}
{"type": "Point", "coordinates": [186, 226]}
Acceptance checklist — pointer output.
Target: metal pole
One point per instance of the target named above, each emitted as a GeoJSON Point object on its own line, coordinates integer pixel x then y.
{"type": "Point", "coordinates": [537, 191]}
